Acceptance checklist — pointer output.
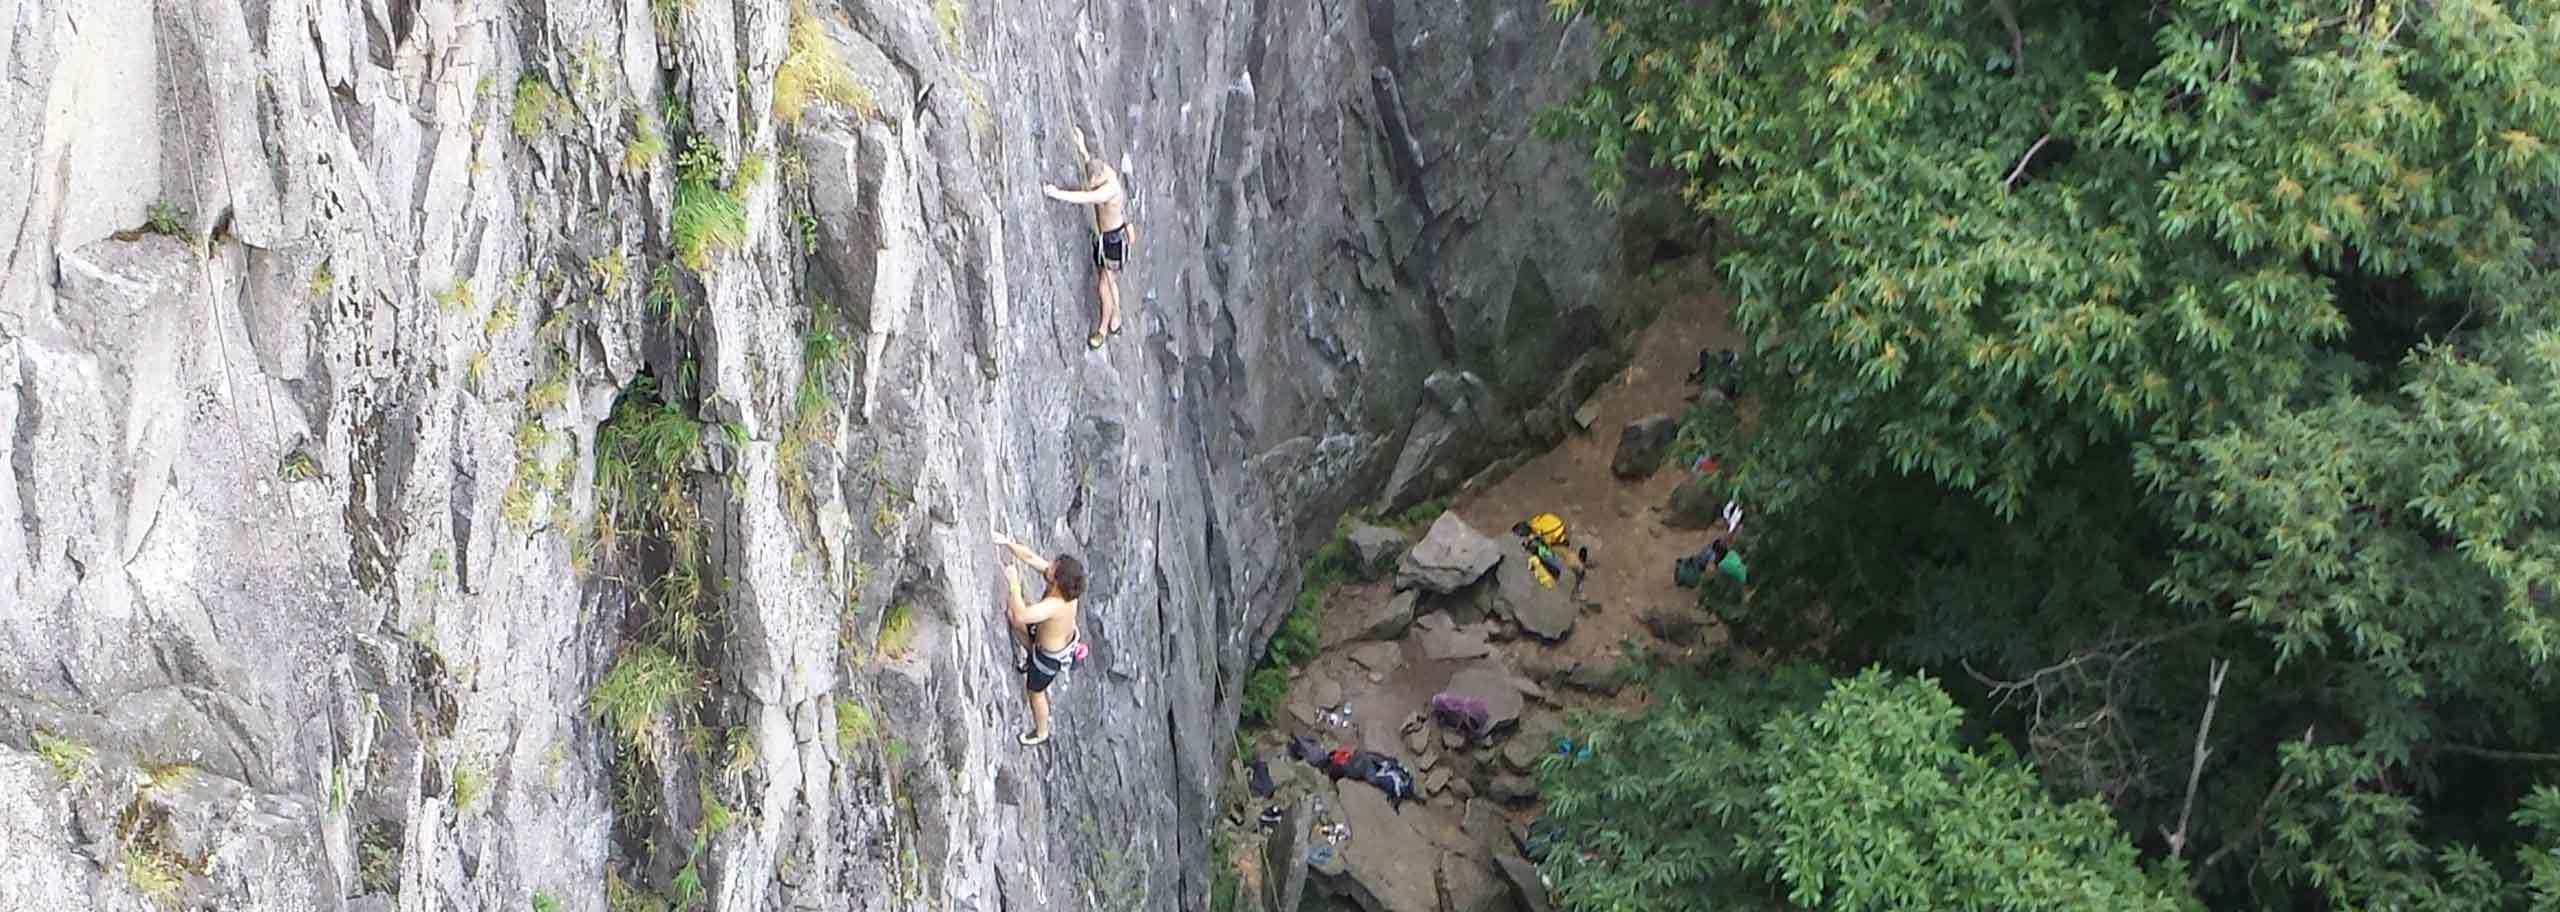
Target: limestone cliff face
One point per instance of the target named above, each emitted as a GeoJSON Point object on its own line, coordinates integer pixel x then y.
{"type": "Point", "coordinates": [383, 383]}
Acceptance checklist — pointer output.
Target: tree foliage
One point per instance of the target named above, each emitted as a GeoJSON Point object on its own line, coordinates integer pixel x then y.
{"type": "Point", "coordinates": [2097, 342]}
{"type": "Point", "coordinates": [1744, 794]}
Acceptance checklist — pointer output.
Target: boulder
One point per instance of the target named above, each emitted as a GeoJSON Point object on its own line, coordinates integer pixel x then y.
{"type": "Point", "coordinates": [1470, 605]}
{"type": "Point", "coordinates": [1545, 612]}
{"type": "Point", "coordinates": [1434, 782]}
{"type": "Point", "coordinates": [1449, 557]}
{"type": "Point", "coordinates": [1642, 445]}
{"type": "Point", "coordinates": [1604, 679]}
{"type": "Point", "coordinates": [1488, 834]}
{"type": "Point", "coordinates": [1523, 751]}
{"type": "Point", "coordinates": [1443, 639]}
{"type": "Point", "coordinates": [1374, 549]}
{"type": "Point", "coordinates": [1525, 883]}
{"type": "Point", "coordinates": [1679, 626]}
{"type": "Point", "coordinates": [1587, 415]}
{"type": "Point", "coordinates": [1500, 692]}
{"type": "Point", "coordinates": [1284, 868]}
{"type": "Point", "coordinates": [1324, 690]}
{"type": "Point", "coordinates": [1387, 866]}
{"type": "Point", "coordinates": [1304, 713]}
{"type": "Point", "coordinates": [1697, 503]}
{"type": "Point", "coordinates": [1379, 658]}
{"type": "Point", "coordinates": [1513, 789]}
{"type": "Point", "coordinates": [1474, 885]}
{"type": "Point", "coordinates": [1417, 740]}
{"type": "Point", "coordinates": [1370, 619]}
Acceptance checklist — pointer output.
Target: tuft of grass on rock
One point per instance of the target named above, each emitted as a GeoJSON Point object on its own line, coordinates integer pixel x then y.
{"type": "Point", "coordinates": [813, 72]}
{"type": "Point", "coordinates": [635, 697]}
{"type": "Point", "coordinates": [853, 724]}
{"type": "Point", "coordinates": [951, 16]}
{"type": "Point", "coordinates": [707, 221]}
{"type": "Point", "coordinates": [898, 630]}
{"type": "Point", "coordinates": [152, 873]}
{"type": "Point", "coordinates": [70, 759]}
{"type": "Point", "coordinates": [535, 105]}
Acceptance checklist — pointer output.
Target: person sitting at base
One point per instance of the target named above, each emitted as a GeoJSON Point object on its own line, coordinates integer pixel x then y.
{"type": "Point", "coordinates": [1109, 199]}
{"type": "Point", "coordinates": [1689, 572]}
{"type": "Point", "coordinates": [1046, 629]}
{"type": "Point", "coordinates": [1722, 554]}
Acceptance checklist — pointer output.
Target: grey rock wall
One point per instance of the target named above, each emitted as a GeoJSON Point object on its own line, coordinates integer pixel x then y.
{"type": "Point", "coordinates": [306, 581]}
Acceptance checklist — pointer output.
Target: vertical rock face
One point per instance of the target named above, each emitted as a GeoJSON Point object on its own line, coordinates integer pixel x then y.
{"type": "Point", "coordinates": [474, 455]}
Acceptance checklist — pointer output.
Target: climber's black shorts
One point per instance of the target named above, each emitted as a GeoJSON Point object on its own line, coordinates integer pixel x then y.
{"type": "Point", "coordinates": [1042, 670]}
{"type": "Point", "coordinates": [1112, 250]}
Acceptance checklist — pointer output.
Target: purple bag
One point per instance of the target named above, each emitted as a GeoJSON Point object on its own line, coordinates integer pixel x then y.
{"type": "Point", "coordinates": [1466, 715]}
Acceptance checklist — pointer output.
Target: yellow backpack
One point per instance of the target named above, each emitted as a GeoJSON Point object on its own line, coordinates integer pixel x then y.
{"type": "Point", "coordinates": [1549, 528]}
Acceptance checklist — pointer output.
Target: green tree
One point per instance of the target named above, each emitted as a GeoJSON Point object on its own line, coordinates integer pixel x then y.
{"type": "Point", "coordinates": [1739, 793]}
{"type": "Point", "coordinates": [2098, 342]}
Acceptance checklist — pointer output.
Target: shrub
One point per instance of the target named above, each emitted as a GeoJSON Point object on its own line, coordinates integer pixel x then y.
{"type": "Point", "coordinates": [168, 218]}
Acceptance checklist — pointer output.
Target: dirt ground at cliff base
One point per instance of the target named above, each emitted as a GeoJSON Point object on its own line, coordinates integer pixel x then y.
{"type": "Point", "coordinates": [1621, 521]}
{"type": "Point", "coordinates": [1632, 549]}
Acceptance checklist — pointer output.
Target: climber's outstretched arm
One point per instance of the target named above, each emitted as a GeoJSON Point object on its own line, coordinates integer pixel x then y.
{"type": "Point", "coordinates": [1021, 553]}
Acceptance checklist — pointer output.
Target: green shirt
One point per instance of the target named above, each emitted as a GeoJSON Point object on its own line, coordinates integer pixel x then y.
{"type": "Point", "coordinates": [1731, 566]}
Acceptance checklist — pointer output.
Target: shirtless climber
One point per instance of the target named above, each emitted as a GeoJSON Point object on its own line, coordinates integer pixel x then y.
{"type": "Point", "coordinates": [1102, 191]}
{"type": "Point", "coordinates": [1046, 629]}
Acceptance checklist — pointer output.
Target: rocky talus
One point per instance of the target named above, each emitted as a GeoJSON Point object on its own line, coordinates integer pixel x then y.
{"type": "Point", "coordinates": [484, 455]}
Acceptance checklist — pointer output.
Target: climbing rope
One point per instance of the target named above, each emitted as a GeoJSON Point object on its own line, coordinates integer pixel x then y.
{"type": "Point", "coordinates": [204, 269]}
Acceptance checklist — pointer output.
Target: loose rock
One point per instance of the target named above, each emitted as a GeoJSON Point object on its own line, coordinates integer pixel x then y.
{"type": "Point", "coordinates": [1500, 692]}
{"type": "Point", "coordinates": [1374, 620]}
{"type": "Point", "coordinates": [1443, 639]}
{"type": "Point", "coordinates": [1697, 503]}
{"type": "Point", "coordinates": [1473, 885]}
{"type": "Point", "coordinates": [1388, 865]}
{"type": "Point", "coordinates": [1449, 557]}
{"type": "Point", "coordinates": [1542, 611]}
{"type": "Point", "coordinates": [1597, 678]}
{"type": "Point", "coordinates": [1379, 658]}
{"type": "Point", "coordinates": [1513, 789]}
{"type": "Point", "coordinates": [1642, 445]}
{"type": "Point", "coordinates": [1677, 626]}
{"type": "Point", "coordinates": [1374, 549]}
{"type": "Point", "coordinates": [1525, 884]}
{"type": "Point", "coordinates": [1324, 690]}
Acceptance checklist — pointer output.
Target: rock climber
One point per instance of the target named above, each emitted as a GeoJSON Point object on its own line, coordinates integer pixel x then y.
{"type": "Point", "coordinates": [1046, 629]}
{"type": "Point", "coordinates": [1109, 199]}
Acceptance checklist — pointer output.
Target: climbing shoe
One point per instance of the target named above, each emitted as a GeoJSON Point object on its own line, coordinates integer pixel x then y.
{"type": "Point", "coordinates": [1028, 740]}
{"type": "Point", "coordinates": [1093, 341]}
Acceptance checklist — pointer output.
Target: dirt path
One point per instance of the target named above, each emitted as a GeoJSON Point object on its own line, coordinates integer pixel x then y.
{"type": "Point", "coordinates": [1622, 521]}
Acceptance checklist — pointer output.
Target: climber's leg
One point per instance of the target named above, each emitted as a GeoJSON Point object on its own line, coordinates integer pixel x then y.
{"type": "Point", "coordinates": [1109, 288]}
